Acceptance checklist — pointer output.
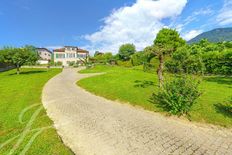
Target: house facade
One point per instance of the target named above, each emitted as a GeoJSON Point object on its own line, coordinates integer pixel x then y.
{"type": "Point", "coordinates": [45, 55]}
{"type": "Point", "coordinates": [70, 54]}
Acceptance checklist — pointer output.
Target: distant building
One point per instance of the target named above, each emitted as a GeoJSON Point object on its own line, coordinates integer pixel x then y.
{"type": "Point", "coordinates": [70, 54]}
{"type": "Point", "coordinates": [45, 55]}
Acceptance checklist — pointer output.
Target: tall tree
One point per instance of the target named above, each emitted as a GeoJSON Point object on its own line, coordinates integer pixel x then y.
{"type": "Point", "coordinates": [166, 42]}
{"type": "Point", "coordinates": [125, 51]}
{"type": "Point", "coordinates": [18, 56]}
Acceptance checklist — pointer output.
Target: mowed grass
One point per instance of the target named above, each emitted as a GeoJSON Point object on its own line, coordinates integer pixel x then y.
{"type": "Point", "coordinates": [134, 86]}
{"type": "Point", "coordinates": [18, 92]}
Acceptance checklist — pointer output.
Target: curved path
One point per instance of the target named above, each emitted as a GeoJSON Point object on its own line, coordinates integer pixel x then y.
{"type": "Point", "coordinates": [89, 124]}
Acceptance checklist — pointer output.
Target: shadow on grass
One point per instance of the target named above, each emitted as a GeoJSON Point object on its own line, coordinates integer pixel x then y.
{"type": "Point", "coordinates": [219, 80]}
{"type": "Point", "coordinates": [28, 72]}
{"type": "Point", "coordinates": [223, 109]}
{"type": "Point", "coordinates": [143, 84]}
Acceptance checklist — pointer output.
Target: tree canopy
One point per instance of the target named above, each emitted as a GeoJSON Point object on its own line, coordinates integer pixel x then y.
{"type": "Point", "coordinates": [202, 57]}
{"type": "Point", "coordinates": [126, 50]}
{"type": "Point", "coordinates": [104, 57]}
{"type": "Point", "coordinates": [18, 56]}
{"type": "Point", "coordinates": [166, 42]}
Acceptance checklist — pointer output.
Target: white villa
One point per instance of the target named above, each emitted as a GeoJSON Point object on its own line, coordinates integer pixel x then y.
{"type": "Point", "coordinates": [70, 54]}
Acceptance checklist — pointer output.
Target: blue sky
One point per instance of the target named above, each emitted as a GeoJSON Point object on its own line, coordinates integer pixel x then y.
{"type": "Point", "coordinates": [103, 24]}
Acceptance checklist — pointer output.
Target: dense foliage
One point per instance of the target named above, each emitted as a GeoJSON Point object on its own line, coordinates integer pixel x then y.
{"type": "Point", "coordinates": [202, 57]}
{"type": "Point", "coordinates": [184, 60]}
{"type": "Point", "coordinates": [166, 42]}
{"type": "Point", "coordinates": [138, 58]}
{"type": "Point", "coordinates": [103, 57]}
{"type": "Point", "coordinates": [125, 51]}
{"type": "Point", "coordinates": [178, 96]}
{"type": "Point", "coordinates": [218, 62]}
{"type": "Point", "coordinates": [149, 53]}
{"type": "Point", "coordinates": [124, 63]}
{"type": "Point", "coordinates": [216, 35]}
{"type": "Point", "coordinates": [19, 56]}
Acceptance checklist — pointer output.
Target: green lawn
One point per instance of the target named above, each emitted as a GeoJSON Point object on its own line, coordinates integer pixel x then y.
{"type": "Point", "coordinates": [135, 87]}
{"type": "Point", "coordinates": [18, 92]}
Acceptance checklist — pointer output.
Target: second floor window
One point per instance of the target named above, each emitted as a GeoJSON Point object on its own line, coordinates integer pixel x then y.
{"type": "Point", "coordinates": [70, 55]}
{"type": "Point", "coordinates": [60, 55]}
{"type": "Point", "coordinates": [81, 55]}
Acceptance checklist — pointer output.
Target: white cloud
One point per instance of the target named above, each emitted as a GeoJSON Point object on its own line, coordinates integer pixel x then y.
{"type": "Point", "coordinates": [191, 34]}
{"type": "Point", "coordinates": [194, 17]}
{"type": "Point", "coordinates": [204, 11]}
{"type": "Point", "coordinates": [137, 24]}
{"type": "Point", "coordinates": [225, 15]}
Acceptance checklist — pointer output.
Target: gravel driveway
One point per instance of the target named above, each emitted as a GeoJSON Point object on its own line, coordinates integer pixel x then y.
{"type": "Point", "coordinates": [89, 125]}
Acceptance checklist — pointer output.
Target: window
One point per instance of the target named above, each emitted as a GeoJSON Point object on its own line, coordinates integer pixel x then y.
{"type": "Point", "coordinates": [82, 55]}
{"type": "Point", "coordinates": [70, 55]}
{"type": "Point", "coordinates": [60, 56]}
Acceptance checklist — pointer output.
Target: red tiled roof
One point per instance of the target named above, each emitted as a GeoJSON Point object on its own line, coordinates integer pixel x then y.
{"type": "Point", "coordinates": [82, 51]}
{"type": "Point", "coordinates": [59, 50]}
{"type": "Point", "coordinates": [63, 50]}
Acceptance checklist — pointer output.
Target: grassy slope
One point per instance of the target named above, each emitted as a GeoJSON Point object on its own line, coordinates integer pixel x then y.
{"type": "Point", "coordinates": [16, 93]}
{"type": "Point", "coordinates": [135, 86]}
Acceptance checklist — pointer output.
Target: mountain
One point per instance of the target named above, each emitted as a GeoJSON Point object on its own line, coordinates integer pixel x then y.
{"type": "Point", "coordinates": [215, 35]}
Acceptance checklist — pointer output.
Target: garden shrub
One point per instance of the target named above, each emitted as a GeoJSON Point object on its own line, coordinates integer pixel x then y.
{"type": "Point", "coordinates": [59, 63]}
{"type": "Point", "coordinates": [103, 58]}
{"type": "Point", "coordinates": [184, 60]}
{"type": "Point", "coordinates": [148, 67]}
{"type": "Point", "coordinates": [202, 57]}
{"type": "Point", "coordinates": [155, 62]}
{"type": "Point", "coordinates": [71, 63]}
{"type": "Point", "coordinates": [138, 58]}
{"type": "Point", "coordinates": [124, 63]}
{"type": "Point", "coordinates": [151, 66]}
{"type": "Point", "coordinates": [178, 96]}
{"type": "Point", "coordinates": [218, 62]}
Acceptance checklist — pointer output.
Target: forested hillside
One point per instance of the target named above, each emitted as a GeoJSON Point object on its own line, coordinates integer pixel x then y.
{"type": "Point", "coordinates": [216, 35]}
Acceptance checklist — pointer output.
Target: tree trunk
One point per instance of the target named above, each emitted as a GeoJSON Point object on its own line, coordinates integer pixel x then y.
{"type": "Point", "coordinates": [18, 71]}
{"type": "Point", "coordinates": [160, 70]}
